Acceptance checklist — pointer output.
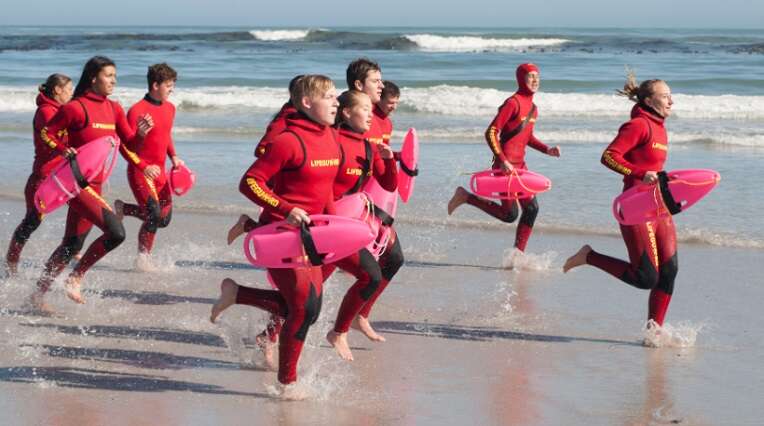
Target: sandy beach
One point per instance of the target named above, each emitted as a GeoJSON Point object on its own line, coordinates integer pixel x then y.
{"type": "Point", "coordinates": [468, 342]}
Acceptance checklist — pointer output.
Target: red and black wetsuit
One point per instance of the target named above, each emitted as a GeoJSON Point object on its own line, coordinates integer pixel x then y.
{"type": "Point", "coordinates": [307, 159]}
{"type": "Point", "coordinates": [507, 136]}
{"type": "Point", "coordinates": [642, 146]}
{"type": "Point", "coordinates": [86, 118]}
{"type": "Point", "coordinates": [351, 178]}
{"type": "Point", "coordinates": [154, 197]}
{"type": "Point", "coordinates": [277, 125]}
{"type": "Point", "coordinates": [391, 260]}
{"type": "Point", "coordinates": [43, 153]}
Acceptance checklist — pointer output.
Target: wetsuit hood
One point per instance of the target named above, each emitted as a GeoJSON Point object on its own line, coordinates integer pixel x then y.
{"type": "Point", "coordinates": [301, 120]}
{"type": "Point", "coordinates": [347, 131]}
{"type": "Point", "coordinates": [93, 96]}
{"type": "Point", "coordinates": [521, 73]}
{"type": "Point", "coordinates": [640, 110]}
{"type": "Point", "coordinates": [42, 99]}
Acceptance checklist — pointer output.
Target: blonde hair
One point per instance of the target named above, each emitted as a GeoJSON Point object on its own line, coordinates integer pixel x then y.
{"type": "Point", "coordinates": [349, 99]}
{"type": "Point", "coordinates": [312, 86]}
{"type": "Point", "coordinates": [637, 92]}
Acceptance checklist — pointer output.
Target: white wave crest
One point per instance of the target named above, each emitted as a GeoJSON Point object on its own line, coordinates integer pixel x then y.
{"type": "Point", "coordinates": [438, 43]}
{"type": "Point", "coordinates": [279, 35]}
{"type": "Point", "coordinates": [472, 101]}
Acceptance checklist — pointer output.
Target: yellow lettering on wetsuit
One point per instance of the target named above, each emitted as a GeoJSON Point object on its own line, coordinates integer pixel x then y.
{"type": "Point", "coordinates": [376, 140]}
{"type": "Point", "coordinates": [332, 162]}
{"type": "Point", "coordinates": [48, 141]}
{"type": "Point", "coordinates": [103, 126]}
{"type": "Point", "coordinates": [653, 242]}
{"type": "Point", "coordinates": [261, 194]}
{"type": "Point", "coordinates": [660, 146]}
{"type": "Point", "coordinates": [610, 161]}
{"type": "Point", "coordinates": [353, 172]}
{"type": "Point", "coordinates": [493, 138]}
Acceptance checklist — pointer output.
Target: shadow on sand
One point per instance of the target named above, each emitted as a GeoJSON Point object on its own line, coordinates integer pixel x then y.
{"type": "Point", "coordinates": [138, 333]}
{"type": "Point", "coordinates": [108, 380]}
{"type": "Point", "coordinates": [481, 334]}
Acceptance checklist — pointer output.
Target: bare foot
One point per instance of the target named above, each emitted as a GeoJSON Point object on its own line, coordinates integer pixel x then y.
{"type": "Point", "coordinates": [237, 229]}
{"type": "Point", "coordinates": [11, 269]}
{"type": "Point", "coordinates": [228, 291]}
{"type": "Point", "coordinates": [292, 392]}
{"type": "Point", "coordinates": [119, 209]}
{"type": "Point", "coordinates": [577, 259]}
{"type": "Point", "coordinates": [460, 197]}
{"type": "Point", "coordinates": [269, 351]}
{"type": "Point", "coordinates": [340, 343]}
{"type": "Point", "coordinates": [364, 326]}
{"type": "Point", "coordinates": [144, 263]}
{"type": "Point", "coordinates": [72, 289]}
{"type": "Point", "coordinates": [37, 304]}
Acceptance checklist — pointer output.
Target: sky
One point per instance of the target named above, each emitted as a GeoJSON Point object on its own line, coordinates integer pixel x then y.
{"type": "Point", "coordinates": [732, 14]}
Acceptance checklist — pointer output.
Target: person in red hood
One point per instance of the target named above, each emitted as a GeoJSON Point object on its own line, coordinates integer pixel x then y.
{"type": "Point", "coordinates": [307, 159]}
{"type": "Point", "coordinates": [639, 152]}
{"type": "Point", "coordinates": [507, 136]}
{"type": "Point", "coordinates": [151, 186]}
{"type": "Point", "coordinates": [89, 116]}
{"type": "Point", "coordinates": [56, 91]}
{"type": "Point", "coordinates": [365, 76]}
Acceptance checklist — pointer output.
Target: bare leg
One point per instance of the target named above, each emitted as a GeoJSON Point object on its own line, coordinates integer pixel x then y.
{"type": "Point", "coordinates": [269, 351]}
{"type": "Point", "coordinates": [228, 291]}
{"type": "Point", "coordinates": [577, 259]}
{"type": "Point", "coordinates": [340, 343]}
{"type": "Point", "coordinates": [364, 326]}
{"type": "Point", "coordinates": [460, 197]}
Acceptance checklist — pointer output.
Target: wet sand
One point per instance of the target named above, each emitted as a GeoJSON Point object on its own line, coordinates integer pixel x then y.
{"type": "Point", "coordinates": [468, 342]}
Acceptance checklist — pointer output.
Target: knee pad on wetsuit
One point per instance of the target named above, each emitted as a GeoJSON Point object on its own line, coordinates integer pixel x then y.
{"type": "Point", "coordinates": [393, 260]}
{"type": "Point", "coordinates": [115, 231]}
{"type": "Point", "coordinates": [312, 309]}
{"type": "Point", "coordinates": [645, 276]}
{"type": "Point", "coordinates": [164, 221]}
{"type": "Point", "coordinates": [530, 211]}
{"type": "Point", "coordinates": [373, 273]}
{"type": "Point", "coordinates": [30, 223]}
{"type": "Point", "coordinates": [667, 275]}
{"type": "Point", "coordinates": [153, 215]}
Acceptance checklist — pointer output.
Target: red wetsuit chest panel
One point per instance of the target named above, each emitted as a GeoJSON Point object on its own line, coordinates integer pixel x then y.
{"type": "Point", "coordinates": [155, 146]}
{"type": "Point", "coordinates": [355, 161]}
{"type": "Point", "coordinates": [517, 109]}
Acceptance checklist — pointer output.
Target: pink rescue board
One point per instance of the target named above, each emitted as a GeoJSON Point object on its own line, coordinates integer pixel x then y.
{"type": "Point", "coordinates": [409, 163]}
{"type": "Point", "coordinates": [644, 203]}
{"type": "Point", "coordinates": [518, 184]}
{"type": "Point", "coordinates": [181, 179]}
{"type": "Point", "coordinates": [280, 245]}
{"type": "Point", "coordinates": [95, 160]}
{"type": "Point", "coordinates": [360, 206]}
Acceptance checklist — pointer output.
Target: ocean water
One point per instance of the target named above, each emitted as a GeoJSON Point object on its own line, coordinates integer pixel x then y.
{"type": "Point", "coordinates": [233, 79]}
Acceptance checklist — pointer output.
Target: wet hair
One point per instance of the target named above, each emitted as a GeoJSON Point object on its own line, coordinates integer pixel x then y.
{"type": "Point", "coordinates": [90, 71]}
{"type": "Point", "coordinates": [348, 99]}
{"type": "Point", "coordinates": [359, 70]}
{"type": "Point", "coordinates": [159, 73]}
{"type": "Point", "coordinates": [390, 90]}
{"type": "Point", "coordinates": [53, 81]}
{"type": "Point", "coordinates": [638, 92]}
{"type": "Point", "coordinates": [311, 85]}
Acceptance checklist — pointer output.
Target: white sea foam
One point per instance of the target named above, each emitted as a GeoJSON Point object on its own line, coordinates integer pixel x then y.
{"type": "Point", "coordinates": [682, 335]}
{"type": "Point", "coordinates": [279, 35]}
{"type": "Point", "coordinates": [438, 43]}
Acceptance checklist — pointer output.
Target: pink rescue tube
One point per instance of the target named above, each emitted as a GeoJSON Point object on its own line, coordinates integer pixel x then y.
{"type": "Point", "coordinates": [518, 184]}
{"type": "Point", "coordinates": [360, 206]}
{"type": "Point", "coordinates": [409, 163]}
{"type": "Point", "coordinates": [644, 203]}
{"type": "Point", "coordinates": [383, 199]}
{"type": "Point", "coordinates": [280, 245]}
{"type": "Point", "coordinates": [95, 160]}
{"type": "Point", "coordinates": [181, 179]}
